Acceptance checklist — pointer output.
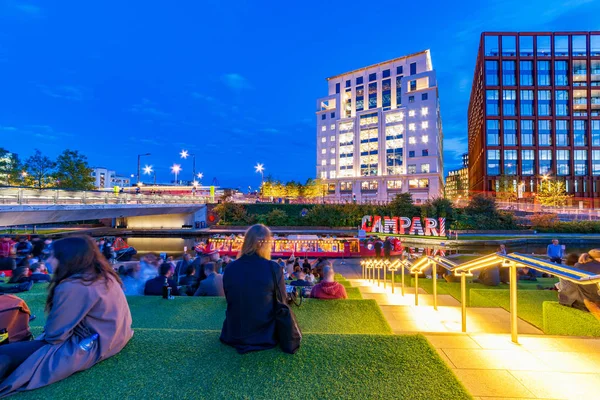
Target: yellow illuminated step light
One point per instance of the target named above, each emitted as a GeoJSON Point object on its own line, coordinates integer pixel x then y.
{"type": "Point", "coordinates": [511, 261]}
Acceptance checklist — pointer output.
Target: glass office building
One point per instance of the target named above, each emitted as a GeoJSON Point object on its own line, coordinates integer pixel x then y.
{"type": "Point", "coordinates": [379, 132]}
{"type": "Point", "coordinates": [534, 113]}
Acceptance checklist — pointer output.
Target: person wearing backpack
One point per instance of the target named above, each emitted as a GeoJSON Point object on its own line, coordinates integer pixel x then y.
{"type": "Point", "coordinates": [88, 320]}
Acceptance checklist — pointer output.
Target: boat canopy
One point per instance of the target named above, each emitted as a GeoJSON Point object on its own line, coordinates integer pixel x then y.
{"type": "Point", "coordinates": [302, 237]}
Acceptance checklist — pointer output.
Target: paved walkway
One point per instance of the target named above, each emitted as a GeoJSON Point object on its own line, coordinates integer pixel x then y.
{"type": "Point", "coordinates": [485, 360]}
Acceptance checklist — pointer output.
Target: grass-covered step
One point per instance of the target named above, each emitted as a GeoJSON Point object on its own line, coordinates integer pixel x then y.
{"type": "Point", "coordinates": [208, 313]}
{"type": "Point", "coordinates": [453, 288]}
{"type": "Point", "coordinates": [171, 364]}
{"type": "Point", "coordinates": [529, 302]}
{"type": "Point", "coordinates": [562, 320]}
{"type": "Point", "coordinates": [353, 293]}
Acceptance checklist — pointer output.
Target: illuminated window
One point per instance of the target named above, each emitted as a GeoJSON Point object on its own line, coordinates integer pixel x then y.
{"type": "Point", "coordinates": [323, 162]}
{"type": "Point", "coordinates": [424, 111]}
{"type": "Point", "coordinates": [394, 184]}
{"type": "Point", "coordinates": [332, 151]}
{"type": "Point", "coordinates": [412, 140]}
{"type": "Point", "coordinates": [323, 151]}
{"type": "Point", "coordinates": [394, 117]}
{"type": "Point", "coordinates": [424, 168]}
{"type": "Point", "coordinates": [332, 127]}
{"type": "Point", "coordinates": [323, 128]}
{"type": "Point", "coordinates": [346, 126]}
{"type": "Point", "coordinates": [411, 127]}
{"type": "Point", "coordinates": [332, 161]}
{"type": "Point", "coordinates": [323, 175]}
{"type": "Point", "coordinates": [411, 113]}
{"type": "Point", "coordinates": [412, 169]}
{"type": "Point", "coordinates": [425, 138]}
{"type": "Point", "coordinates": [424, 124]}
{"type": "Point", "coordinates": [332, 174]}
{"type": "Point", "coordinates": [332, 138]}
{"type": "Point", "coordinates": [323, 140]}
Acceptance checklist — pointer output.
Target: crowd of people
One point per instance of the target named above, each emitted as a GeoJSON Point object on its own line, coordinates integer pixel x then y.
{"type": "Point", "coordinates": [24, 262]}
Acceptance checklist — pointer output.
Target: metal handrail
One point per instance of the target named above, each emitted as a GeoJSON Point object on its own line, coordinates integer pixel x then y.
{"type": "Point", "coordinates": [511, 261]}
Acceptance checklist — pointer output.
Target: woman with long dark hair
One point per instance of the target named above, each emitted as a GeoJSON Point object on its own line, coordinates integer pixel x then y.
{"type": "Point", "coordinates": [88, 320]}
{"type": "Point", "coordinates": [250, 283]}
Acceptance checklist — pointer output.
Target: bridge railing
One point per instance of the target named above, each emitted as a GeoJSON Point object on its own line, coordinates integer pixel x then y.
{"type": "Point", "coordinates": [511, 261]}
{"type": "Point", "coordinates": [23, 196]}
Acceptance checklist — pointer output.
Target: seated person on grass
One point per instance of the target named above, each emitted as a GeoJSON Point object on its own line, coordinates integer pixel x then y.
{"type": "Point", "coordinates": [190, 280]}
{"type": "Point", "coordinates": [328, 288]}
{"type": "Point", "coordinates": [37, 275]}
{"type": "Point", "coordinates": [84, 301]}
{"type": "Point", "coordinates": [20, 274]}
{"type": "Point", "coordinates": [310, 277]}
{"type": "Point", "coordinates": [213, 284]}
{"type": "Point", "coordinates": [583, 297]}
{"type": "Point", "coordinates": [132, 286]}
{"type": "Point", "coordinates": [301, 281]}
{"type": "Point", "coordinates": [154, 286]}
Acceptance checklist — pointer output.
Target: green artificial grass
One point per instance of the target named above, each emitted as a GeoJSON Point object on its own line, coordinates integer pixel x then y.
{"type": "Point", "coordinates": [563, 320]}
{"type": "Point", "coordinates": [353, 293]}
{"type": "Point", "coordinates": [453, 288]}
{"type": "Point", "coordinates": [529, 302]}
{"type": "Point", "coordinates": [171, 364]}
{"type": "Point", "coordinates": [208, 313]}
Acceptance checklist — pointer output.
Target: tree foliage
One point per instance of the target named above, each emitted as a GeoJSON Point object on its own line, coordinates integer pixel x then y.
{"type": "Point", "coordinates": [553, 193]}
{"type": "Point", "coordinates": [506, 190]}
{"type": "Point", "coordinates": [402, 205]}
{"type": "Point", "coordinates": [10, 168]}
{"type": "Point", "coordinates": [73, 172]}
{"type": "Point", "coordinates": [39, 170]}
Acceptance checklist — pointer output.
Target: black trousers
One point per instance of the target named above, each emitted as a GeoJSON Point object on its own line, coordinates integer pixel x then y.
{"type": "Point", "coordinates": [13, 354]}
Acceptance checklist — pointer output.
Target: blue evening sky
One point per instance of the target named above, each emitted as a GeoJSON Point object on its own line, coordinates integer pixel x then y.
{"type": "Point", "coordinates": [234, 82]}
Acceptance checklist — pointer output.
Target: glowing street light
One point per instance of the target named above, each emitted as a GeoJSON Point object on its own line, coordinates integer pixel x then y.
{"type": "Point", "coordinates": [260, 168]}
{"type": "Point", "coordinates": [148, 171]}
{"type": "Point", "coordinates": [200, 175]}
{"type": "Point", "coordinates": [24, 174]}
{"type": "Point", "coordinates": [185, 154]}
{"type": "Point", "coordinates": [176, 168]}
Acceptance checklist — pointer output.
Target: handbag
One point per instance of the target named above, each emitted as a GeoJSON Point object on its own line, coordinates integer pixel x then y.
{"type": "Point", "coordinates": [286, 327]}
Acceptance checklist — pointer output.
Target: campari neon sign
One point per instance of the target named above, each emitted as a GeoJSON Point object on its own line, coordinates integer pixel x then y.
{"type": "Point", "coordinates": [404, 225]}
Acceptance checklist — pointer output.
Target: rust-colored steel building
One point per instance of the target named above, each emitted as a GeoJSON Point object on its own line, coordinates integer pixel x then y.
{"type": "Point", "coordinates": [534, 113]}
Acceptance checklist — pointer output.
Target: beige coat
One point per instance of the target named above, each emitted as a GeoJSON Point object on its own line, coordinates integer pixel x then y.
{"type": "Point", "coordinates": [78, 312]}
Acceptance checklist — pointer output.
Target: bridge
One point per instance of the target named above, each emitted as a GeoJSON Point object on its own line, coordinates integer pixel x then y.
{"type": "Point", "coordinates": [142, 211]}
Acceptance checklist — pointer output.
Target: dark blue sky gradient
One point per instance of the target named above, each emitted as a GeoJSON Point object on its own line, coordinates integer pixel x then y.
{"type": "Point", "coordinates": [233, 82]}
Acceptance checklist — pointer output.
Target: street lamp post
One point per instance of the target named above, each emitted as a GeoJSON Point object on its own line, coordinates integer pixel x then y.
{"type": "Point", "coordinates": [148, 171]}
{"type": "Point", "coordinates": [185, 154]}
{"type": "Point", "coordinates": [138, 169]}
{"type": "Point", "coordinates": [176, 168]}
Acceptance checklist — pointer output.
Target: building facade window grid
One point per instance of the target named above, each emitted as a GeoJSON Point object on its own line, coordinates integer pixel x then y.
{"type": "Point", "coordinates": [555, 61]}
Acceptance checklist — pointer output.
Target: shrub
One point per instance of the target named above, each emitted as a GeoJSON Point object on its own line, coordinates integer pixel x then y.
{"type": "Point", "coordinates": [543, 221]}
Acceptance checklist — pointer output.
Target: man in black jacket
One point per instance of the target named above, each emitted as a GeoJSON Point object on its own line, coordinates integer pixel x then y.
{"type": "Point", "coordinates": [154, 286]}
{"type": "Point", "coordinates": [378, 245]}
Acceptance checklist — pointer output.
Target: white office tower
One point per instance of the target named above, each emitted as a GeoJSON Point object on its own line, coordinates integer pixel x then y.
{"type": "Point", "coordinates": [379, 132]}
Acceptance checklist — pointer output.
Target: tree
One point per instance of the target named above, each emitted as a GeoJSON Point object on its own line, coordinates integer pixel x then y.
{"type": "Point", "coordinates": [293, 189]}
{"type": "Point", "coordinates": [438, 208]}
{"type": "Point", "coordinates": [402, 206]}
{"type": "Point", "coordinates": [39, 170]}
{"type": "Point", "coordinates": [10, 168]}
{"type": "Point", "coordinates": [313, 188]}
{"type": "Point", "coordinates": [553, 193]}
{"type": "Point", "coordinates": [481, 205]}
{"type": "Point", "coordinates": [506, 190]}
{"type": "Point", "coordinates": [73, 172]}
